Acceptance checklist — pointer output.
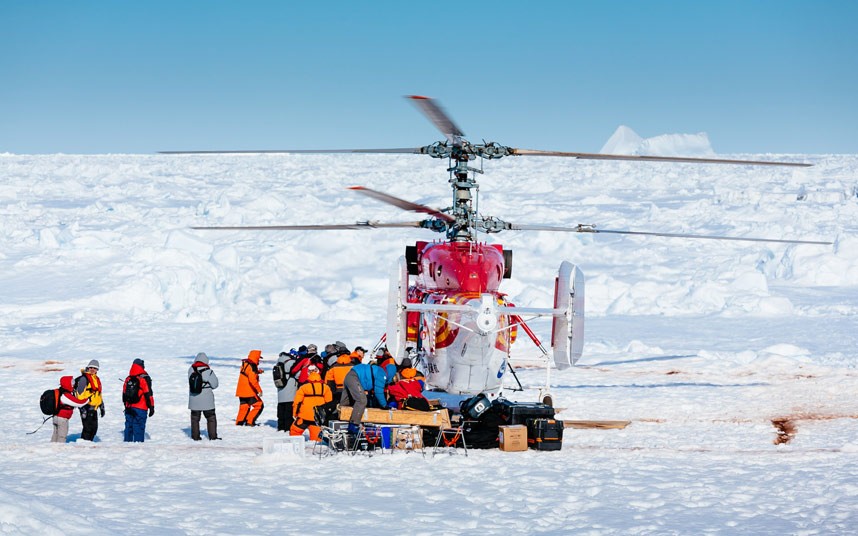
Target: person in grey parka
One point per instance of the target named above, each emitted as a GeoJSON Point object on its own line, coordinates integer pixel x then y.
{"type": "Point", "coordinates": [286, 393]}
{"type": "Point", "coordinates": [203, 402]}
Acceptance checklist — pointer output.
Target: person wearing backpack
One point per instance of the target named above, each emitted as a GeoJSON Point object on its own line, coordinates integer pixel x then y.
{"type": "Point", "coordinates": [285, 374]}
{"type": "Point", "coordinates": [139, 400]}
{"type": "Point", "coordinates": [65, 403]}
{"type": "Point", "coordinates": [88, 387]}
{"type": "Point", "coordinates": [248, 390]}
{"type": "Point", "coordinates": [202, 382]}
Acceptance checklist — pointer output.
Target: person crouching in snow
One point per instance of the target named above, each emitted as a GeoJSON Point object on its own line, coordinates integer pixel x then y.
{"type": "Point", "coordinates": [248, 390]}
{"type": "Point", "coordinates": [66, 404]}
{"type": "Point", "coordinates": [203, 402]}
{"type": "Point", "coordinates": [88, 387]}
{"type": "Point", "coordinates": [139, 400]}
{"type": "Point", "coordinates": [310, 395]}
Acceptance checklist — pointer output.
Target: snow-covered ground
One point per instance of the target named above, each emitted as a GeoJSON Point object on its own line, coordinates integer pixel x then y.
{"type": "Point", "coordinates": [702, 345]}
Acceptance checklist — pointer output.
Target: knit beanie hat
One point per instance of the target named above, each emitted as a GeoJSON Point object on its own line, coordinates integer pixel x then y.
{"type": "Point", "coordinates": [93, 364]}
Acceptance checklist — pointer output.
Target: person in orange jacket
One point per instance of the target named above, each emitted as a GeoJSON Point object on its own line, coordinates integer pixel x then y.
{"type": "Point", "coordinates": [336, 375]}
{"type": "Point", "coordinates": [383, 357]}
{"type": "Point", "coordinates": [248, 390]}
{"type": "Point", "coordinates": [311, 394]}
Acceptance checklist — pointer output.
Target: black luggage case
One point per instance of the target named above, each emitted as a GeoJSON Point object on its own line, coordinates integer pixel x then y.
{"type": "Point", "coordinates": [544, 434]}
{"type": "Point", "coordinates": [520, 412]}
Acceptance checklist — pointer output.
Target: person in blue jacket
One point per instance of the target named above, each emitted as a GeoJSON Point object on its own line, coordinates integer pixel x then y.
{"type": "Point", "coordinates": [361, 381]}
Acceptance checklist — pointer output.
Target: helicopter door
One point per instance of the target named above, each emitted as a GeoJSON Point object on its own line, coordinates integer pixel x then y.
{"type": "Point", "coordinates": [397, 328]}
{"type": "Point", "coordinates": [567, 330]}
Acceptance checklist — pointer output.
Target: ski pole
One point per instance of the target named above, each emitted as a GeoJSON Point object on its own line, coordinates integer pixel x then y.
{"type": "Point", "coordinates": [40, 426]}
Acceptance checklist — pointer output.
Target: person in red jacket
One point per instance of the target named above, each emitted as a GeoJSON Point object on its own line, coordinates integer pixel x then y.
{"type": "Point", "coordinates": [139, 401]}
{"type": "Point", "coordinates": [67, 402]}
{"type": "Point", "coordinates": [248, 390]}
{"type": "Point", "coordinates": [407, 393]}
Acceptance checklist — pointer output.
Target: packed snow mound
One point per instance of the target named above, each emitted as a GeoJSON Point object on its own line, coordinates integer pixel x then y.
{"type": "Point", "coordinates": [626, 141]}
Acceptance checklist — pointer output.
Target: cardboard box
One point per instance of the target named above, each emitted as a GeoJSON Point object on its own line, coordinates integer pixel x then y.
{"type": "Point", "coordinates": [513, 438]}
{"type": "Point", "coordinates": [408, 438]}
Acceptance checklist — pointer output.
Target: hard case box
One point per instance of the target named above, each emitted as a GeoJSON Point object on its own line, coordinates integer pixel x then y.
{"type": "Point", "coordinates": [544, 434]}
{"type": "Point", "coordinates": [520, 412]}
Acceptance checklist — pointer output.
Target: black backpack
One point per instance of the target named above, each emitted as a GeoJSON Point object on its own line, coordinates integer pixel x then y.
{"type": "Point", "coordinates": [195, 382]}
{"type": "Point", "coordinates": [279, 374]}
{"type": "Point", "coordinates": [131, 393]}
{"type": "Point", "coordinates": [50, 402]}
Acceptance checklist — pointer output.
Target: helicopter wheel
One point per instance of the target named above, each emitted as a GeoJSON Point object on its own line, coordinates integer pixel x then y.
{"type": "Point", "coordinates": [547, 399]}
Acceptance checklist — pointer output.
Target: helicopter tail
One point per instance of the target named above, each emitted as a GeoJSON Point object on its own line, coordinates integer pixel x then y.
{"type": "Point", "coordinates": [567, 330]}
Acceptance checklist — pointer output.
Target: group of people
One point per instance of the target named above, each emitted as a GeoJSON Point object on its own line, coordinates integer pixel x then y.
{"type": "Point", "coordinates": [85, 393]}
{"type": "Point", "coordinates": [306, 381]}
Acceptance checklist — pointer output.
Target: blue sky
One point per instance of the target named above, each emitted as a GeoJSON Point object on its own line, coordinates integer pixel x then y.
{"type": "Point", "coordinates": [138, 77]}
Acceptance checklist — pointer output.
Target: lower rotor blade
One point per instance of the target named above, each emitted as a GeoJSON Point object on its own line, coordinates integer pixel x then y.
{"type": "Point", "coordinates": [334, 227]}
{"type": "Point", "coordinates": [592, 229]}
{"type": "Point", "coordinates": [597, 156]}
{"type": "Point", "coordinates": [403, 150]}
{"type": "Point", "coordinates": [402, 203]}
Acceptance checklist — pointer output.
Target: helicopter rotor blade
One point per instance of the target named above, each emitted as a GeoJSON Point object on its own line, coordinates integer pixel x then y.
{"type": "Point", "coordinates": [360, 225]}
{"type": "Point", "coordinates": [645, 158]}
{"type": "Point", "coordinates": [402, 203]}
{"type": "Point", "coordinates": [402, 150]}
{"type": "Point", "coordinates": [582, 228]}
{"type": "Point", "coordinates": [433, 111]}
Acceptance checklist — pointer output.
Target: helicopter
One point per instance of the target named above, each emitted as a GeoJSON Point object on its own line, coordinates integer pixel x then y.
{"type": "Point", "coordinates": [445, 306]}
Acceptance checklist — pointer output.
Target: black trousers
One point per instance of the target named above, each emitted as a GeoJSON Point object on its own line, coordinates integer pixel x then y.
{"type": "Point", "coordinates": [284, 416]}
{"type": "Point", "coordinates": [89, 419]}
{"type": "Point", "coordinates": [211, 423]}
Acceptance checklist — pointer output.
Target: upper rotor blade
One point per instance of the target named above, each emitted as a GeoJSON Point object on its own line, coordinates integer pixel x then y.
{"type": "Point", "coordinates": [403, 150]}
{"type": "Point", "coordinates": [433, 111]}
{"type": "Point", "coordinates": [598, 156]}
{"type": "Point", "coordinates": [333, 227]}
{"type": "Point", "coordinates": [402, 203]}
{"type": "Point", "coordinates": [592, 229]}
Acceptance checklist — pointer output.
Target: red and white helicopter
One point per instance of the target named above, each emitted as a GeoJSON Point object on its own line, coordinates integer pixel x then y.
{"type": "Point", "coordinates": [445, 299]}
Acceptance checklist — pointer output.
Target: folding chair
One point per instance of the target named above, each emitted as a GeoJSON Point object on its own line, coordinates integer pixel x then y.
{"type": "Point", "coordinates": [331, 441]}
{"type": "Point", "coordinates": [368, 439]}
{"type": "Point", "coordinates": [449, 437]}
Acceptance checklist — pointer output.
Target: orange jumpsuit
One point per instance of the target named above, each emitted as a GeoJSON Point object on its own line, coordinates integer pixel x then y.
{"type": "Point", "coordinates": [311, 394]}
{"type": "Point", "coordinates": [248, 390]}
{"type": "Point", "coordinates": [336, 375]}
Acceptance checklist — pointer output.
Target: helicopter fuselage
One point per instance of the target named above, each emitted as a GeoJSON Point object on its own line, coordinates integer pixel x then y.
{"type": "Point", "coordinates": [462, 355]}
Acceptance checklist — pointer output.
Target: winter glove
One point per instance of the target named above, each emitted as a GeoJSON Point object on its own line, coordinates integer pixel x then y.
{"type": "Point", "coordinates": [102, 410]}
{"type": "Point", "coordinates": [151, 411]}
